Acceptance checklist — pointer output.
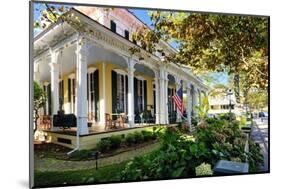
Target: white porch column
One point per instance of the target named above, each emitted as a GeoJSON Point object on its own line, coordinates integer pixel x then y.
{"type": "Point", "coordinates": [103, 99]}
{"type": "Point", "coordinates": [189, 103]}
{"type": "Point", "coordinates": [54, 82]}
{"type": "Point", "coordinates": [131, 109]}
{"type": "Point", "coordinates": [196, 102]}
{"type": "Point", "coordinates": [36, 75]}
{"type": "Point", "coordinates": [178, 85]}
{"type": "Point", "coordinates": [81, 83]}
{"type": "Point", "coordinates": [166, 99]}
{"type": "Point", "coordinates": [199, 97]}
{"type": "Point", "coordinates": [163, 96]}
{"type": "Point", "coordinates": [157, 96]}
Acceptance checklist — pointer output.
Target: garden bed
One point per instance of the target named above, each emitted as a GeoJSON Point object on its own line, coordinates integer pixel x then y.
{"type": "Point", "coordinates": [107, 147]}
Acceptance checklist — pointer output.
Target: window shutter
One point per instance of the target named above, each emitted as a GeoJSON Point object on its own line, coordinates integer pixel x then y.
{"type": "Point", "coordinates": [145, 94]}
{"type": "Point", "coordinates": [136, 95]}
{"type": "Point", "coordinates": [96, 88]}
{"type": "Point", "coordinates": [113, 26]}
{"type": "Point", "coordinates": [61, 94]}
{"type": "Point", "coordinates": [69, 90]}
{"type": "Point", "coordinates": [114, 91]}
{"type": "Point", "coordinates": [126, 80]}
{"type": "Point", "coordinates": [88, 86]}
{"type": "Point", "coordinates": [49, 99]}
{"type": "Point", "coordinates": [127, 34]}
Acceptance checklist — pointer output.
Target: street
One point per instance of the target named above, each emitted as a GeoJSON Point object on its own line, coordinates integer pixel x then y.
{"type": "Point", "coordinates": [260, 135]}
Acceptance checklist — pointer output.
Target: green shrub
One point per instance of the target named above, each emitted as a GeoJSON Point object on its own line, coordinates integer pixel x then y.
{"type": "Point", "coordinates": [227, 116]}
{"type": "Point", "coordinates": [130, 139]}
{"type": "Point", "coordinates": [138, 137]}
{"type": "Point", "coordinates": [255, 156]}
{"type": "Point", "coordinates": [115, 141]}
{"type": "Point", "coordinates": [203, 170]}
{"type": "Point", "coordinates": [80, 155]}
{"type": "Point", "coordinates": [243, 121]}
{"type": "Point", "coordinates": [147, 135]}
{"type": "Point", "coordinates": [104, 145]}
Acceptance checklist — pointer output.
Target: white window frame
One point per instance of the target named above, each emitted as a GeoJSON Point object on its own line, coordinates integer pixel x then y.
{"type": "Point", "coordinates": [123, 74]}
{"type": "Point", "coordinates": [73, 94]}
{"type": "Point", "coordinates": [90, 71]}
{"type": "Point", "coordinates": [141, 79]}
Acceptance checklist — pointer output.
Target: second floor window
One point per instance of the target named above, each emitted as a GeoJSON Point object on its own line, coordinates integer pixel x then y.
{"type": "Point", "coordinates": [113, 26]}
{"type": "Point", "coordinates": [127, 34]}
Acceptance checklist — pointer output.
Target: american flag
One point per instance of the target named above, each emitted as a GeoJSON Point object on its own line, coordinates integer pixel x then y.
{"type": "Point", "coordinates": [178, 99]}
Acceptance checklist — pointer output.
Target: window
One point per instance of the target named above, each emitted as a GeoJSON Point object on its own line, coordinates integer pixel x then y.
{"type": "Point", "coordinates": [91, 93]}
{"type": "Point", "coordinates": [47, 108]}
{"type": "Point", "coordinates": [61, 94]}
{"type": "Point", "coordinates": [113, 26]}
{"type": "Point", "coordinates": [134, 41]}
{"type": "Point", "coordinates": [121, 93]}
{"type": "Point", "coordinates": [127, 34]}
{"type": "Point", "coordinates": [140, 95]}
{"type": "Point", "coordinates": [71, 94]}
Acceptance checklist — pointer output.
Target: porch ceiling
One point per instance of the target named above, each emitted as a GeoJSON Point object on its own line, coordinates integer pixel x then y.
{"type": "Point", "coordinates": [67, 62]}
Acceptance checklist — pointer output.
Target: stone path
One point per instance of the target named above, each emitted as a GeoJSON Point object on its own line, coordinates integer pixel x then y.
{"type": "Point", "coordinates": [260, 135]}
{"type": "Point", "coordinates": [51, 164]}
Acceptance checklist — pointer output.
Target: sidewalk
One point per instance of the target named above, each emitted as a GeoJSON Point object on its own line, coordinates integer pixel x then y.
{"type": "Point", "coordinates": [260, 135]}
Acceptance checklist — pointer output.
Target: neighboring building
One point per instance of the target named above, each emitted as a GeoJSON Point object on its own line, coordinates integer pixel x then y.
{"type": "Point", "coordinates": [221, 105]}
{"type": "Point", "coordinates": [100, 75]}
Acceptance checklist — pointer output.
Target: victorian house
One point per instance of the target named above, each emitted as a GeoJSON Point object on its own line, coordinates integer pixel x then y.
{"type": "Point", "coordinates": [97, 77]}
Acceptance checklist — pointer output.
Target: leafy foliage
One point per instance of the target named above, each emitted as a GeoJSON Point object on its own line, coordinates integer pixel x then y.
{"type": "Point", "coordinates": [180, 156]}
{"type": "Point", "coordinates": [104, 145]}
{"type": "Point", "coordinates": [203, 109]}
{"type": "Point", "coordinates": [39, 100]}
{"type": "Point", "coordinates": [237, 45]}
{"type": "Point", "coordinates": [203, 169]}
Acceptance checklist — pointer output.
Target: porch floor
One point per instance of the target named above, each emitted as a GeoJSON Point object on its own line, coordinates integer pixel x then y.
{"type": "Point", "coordinates": [96, 128]}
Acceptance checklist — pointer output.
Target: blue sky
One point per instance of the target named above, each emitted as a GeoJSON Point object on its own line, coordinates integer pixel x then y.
{"type": "Point", "coordinates": [142, 14]}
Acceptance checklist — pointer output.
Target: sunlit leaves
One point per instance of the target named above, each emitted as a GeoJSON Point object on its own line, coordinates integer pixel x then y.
{"type": "Point", "coordinates": [209, 42]}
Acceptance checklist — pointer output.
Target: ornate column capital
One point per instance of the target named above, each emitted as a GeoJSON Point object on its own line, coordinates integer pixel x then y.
{"type": "Point", "coordinates": [54, 67]}
{"type": "Point", "coordinates": [188, 85]}
{"type": "Point", "coordinates": [83, 46]}
{"type": "Point", "coordinates": [131, 64]}
{"type": "Point", "coordinates": [163, 75]}
{"type": "Point", "coordinates": [53, 55]}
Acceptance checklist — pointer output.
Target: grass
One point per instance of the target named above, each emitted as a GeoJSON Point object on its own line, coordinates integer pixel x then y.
{"type": "Point", "coordinates": [110, 173]}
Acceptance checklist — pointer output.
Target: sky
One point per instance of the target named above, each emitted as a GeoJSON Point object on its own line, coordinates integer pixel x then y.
{"type": "Point", "coordinates": [142, 14]}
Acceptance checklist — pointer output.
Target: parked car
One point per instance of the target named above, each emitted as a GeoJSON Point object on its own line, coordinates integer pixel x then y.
{"type": "Point", "coordinates": [263, 114]}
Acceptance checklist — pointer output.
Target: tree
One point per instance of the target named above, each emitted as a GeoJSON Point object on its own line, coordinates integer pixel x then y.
{"type": "Point", "coordinates": [218, 90]}
{"type": "Point", "coordinates": [258, 100]}
{"type": "Point", "coordinates": [39, 100]}
{"type": "Point", "coordinates": [214, 42]}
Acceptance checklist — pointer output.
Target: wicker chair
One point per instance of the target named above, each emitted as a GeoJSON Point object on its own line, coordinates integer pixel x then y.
{"type": "Point", "coordinates": [121, 120]}
{"type": "Point", "coordinates": [108, 121]}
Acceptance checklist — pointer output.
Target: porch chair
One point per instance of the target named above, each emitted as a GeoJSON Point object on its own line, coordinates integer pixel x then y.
{"type": "Point", "coordinates": [47, 122]}
{"type": "Point", "coordinates": [121, 120]}
{"type": "Point", "coordinates": [108, 121]}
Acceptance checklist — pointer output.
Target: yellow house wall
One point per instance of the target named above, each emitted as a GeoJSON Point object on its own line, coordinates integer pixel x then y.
{"type": "Point", "coordinates": [108, 88]}
{"type": "Point", "coordinates": [149, 89]}
{"type": "Point", "coordinates": [89, 141]}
